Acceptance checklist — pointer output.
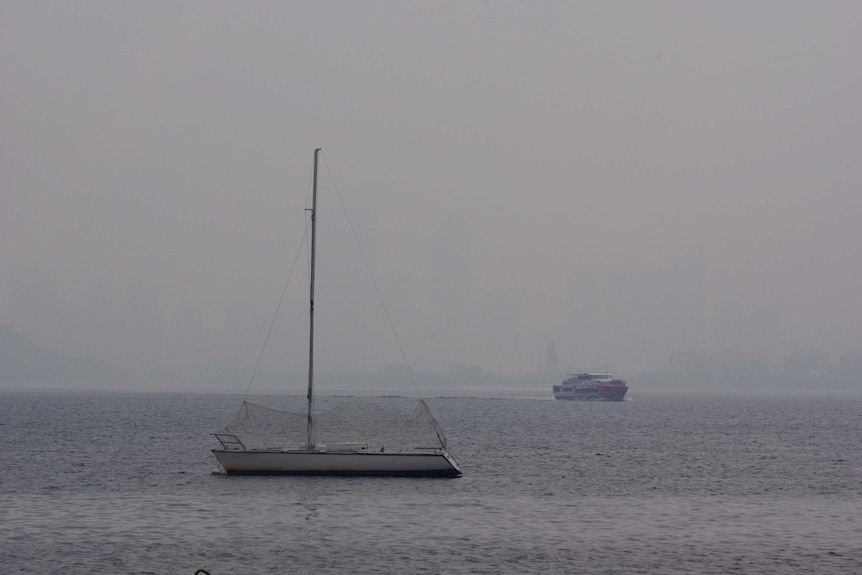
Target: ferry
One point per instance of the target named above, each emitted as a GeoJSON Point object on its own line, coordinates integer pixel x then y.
{"type": "Point", "coordinates": [591, 387]}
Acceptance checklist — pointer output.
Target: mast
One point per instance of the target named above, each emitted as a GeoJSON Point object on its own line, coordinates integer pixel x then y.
{"type": "Point", "coordinates": [311, 309]}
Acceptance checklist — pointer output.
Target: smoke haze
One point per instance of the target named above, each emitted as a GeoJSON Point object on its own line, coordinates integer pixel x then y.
{"type": "Point", "coordinates": [628, 182]}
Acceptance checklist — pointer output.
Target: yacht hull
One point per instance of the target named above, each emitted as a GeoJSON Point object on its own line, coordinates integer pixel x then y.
{"type": "Point", "coordinates": [433, 463]}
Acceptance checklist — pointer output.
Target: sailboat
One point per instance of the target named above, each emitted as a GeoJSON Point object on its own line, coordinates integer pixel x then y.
{"type": "Point", "coordinates": [253, 443]}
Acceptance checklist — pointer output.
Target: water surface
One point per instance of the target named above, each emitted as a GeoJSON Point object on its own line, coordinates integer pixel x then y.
{"type": "Point", "coordinates": [664, 483]}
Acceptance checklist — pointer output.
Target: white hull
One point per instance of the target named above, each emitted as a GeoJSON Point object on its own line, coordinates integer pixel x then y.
{"type": "Point", "coordinates": [431, 463]}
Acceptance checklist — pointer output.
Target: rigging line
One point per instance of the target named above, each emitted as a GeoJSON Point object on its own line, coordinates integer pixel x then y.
{"type": "Point", "coordinates": [277, 308]}
{"type": "Point", "coordinates": [373, 280]}
{"type": "Point", "coordinates": [275, 315]}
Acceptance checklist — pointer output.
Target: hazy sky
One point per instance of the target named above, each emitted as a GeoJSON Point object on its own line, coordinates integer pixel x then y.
{"type": "Point", "coordinates": [502, 162]}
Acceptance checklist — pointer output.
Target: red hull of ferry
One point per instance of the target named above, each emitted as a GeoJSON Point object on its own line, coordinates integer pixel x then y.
{"type": "Point", "coordinates": [613, 390]}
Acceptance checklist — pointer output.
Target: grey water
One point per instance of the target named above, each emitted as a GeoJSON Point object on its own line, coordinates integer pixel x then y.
{"type": "Point", "coordinates": [97, 482]}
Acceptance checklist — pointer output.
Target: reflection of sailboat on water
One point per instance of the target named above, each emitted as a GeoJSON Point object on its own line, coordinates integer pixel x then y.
{"type": "Point", "coordinates": [253, 442]}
